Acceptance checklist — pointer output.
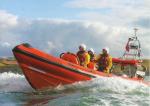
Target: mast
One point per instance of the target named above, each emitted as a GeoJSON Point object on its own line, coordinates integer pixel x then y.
{"type": "Point", "coordinates": [133, 47]}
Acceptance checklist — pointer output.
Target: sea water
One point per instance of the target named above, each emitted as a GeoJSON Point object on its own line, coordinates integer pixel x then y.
{"type": "Point", "coordinates": [103, 91]}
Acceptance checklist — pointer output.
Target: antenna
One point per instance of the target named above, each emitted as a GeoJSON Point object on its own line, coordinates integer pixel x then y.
{"type": "Point", "coordinates": [135, 31]}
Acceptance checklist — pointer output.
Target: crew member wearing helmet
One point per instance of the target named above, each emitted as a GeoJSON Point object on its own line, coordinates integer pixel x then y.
{"type": "Point", "coordinates": [92, 54]}
{"type": "Point", "coordinates": [92, 64]}
{"type": "Point", "coordinates": [83, 56]}
{"type": "Point", "coordinates": [104, 61]}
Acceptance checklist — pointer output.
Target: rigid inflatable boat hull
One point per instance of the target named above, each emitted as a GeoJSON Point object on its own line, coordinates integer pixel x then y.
{"type": "Point", "coordinates": [42, 70]}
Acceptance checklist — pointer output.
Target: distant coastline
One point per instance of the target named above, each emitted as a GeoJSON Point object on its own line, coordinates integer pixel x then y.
{"type": "Point", "coordinates": [9, 65]}
{"type": "Point", "coordinates": [7, 61]}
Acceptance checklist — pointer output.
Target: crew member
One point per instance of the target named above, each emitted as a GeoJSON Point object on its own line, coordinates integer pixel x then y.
{"type": "Point", "coordinates": [83, 55]}
{"type": "Point", "coordinates": [92, 64]}
{"type": "Point", "coordinates": [104, 61]}
{"type": "Point", "coordinates": [92, 54]}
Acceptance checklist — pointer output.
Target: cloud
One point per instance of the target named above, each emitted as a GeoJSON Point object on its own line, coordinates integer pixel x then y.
{"type": "Point", "coordinates": [7, 19]}
{"type": "Point", "coordinates": [98, 4]}
{"type": "Point", "coordinates": [50, 45]}
{"type": "Point", "coordinates": [5, 44]}
{"type": "Point", "coordinates": [113, 12]}
{"type": "Point", "coordinates": [144, 22]}
{"type": "Point", "coordinates": [58, 35]}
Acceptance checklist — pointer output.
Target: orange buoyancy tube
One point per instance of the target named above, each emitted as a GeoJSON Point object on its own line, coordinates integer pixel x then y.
{"type": "Point", "coordinates": [70, 57]}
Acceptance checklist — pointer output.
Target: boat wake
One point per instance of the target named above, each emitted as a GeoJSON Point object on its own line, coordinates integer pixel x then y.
{"type": "Point", "coordinates": [105, 84]}
{"type": "Point", "coordinates": [11, 82]}
{"type": "Point", "coordinates": [100, 91]}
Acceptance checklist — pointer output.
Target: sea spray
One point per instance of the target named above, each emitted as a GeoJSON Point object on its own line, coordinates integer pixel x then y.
{"type": "Point", "coordinates": [16, 82]}
{"type": "Point", "coordinates": [106, 84]}
{"type": "Point", "coordinates": [102, 91]}
{"type": "Point", "coordinates": [11, 82]}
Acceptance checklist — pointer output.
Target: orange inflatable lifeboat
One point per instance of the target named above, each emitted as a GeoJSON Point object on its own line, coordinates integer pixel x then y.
{"type": "Point", "coordinates": [43, 70]}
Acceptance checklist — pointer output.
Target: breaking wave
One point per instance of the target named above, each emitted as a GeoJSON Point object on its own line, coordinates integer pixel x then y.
{"type": "Point", "coordinates": [102, 91]}
{"type": "Point", "coordinates": [11, 82]}
{"type": "Point", "coordinates": [107, 84]}
{"type": "Point", "coordinates": [15, 82]}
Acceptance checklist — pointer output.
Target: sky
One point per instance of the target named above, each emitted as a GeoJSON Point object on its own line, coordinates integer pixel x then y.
{"type": "Point", "coordinates": [56, 26]}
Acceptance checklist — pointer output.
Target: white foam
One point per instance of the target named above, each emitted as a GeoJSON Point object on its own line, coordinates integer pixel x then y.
{"type": "Point", "coordinates": [113, 84]}
{"type": "Point", "coordinates": [16, 82]}
{"type": "Point", "coordinates": [120, 85]}
{"type": "Point", "coordinates": [11, 82]}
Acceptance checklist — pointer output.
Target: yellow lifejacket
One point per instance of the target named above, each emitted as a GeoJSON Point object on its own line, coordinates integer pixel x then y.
{"type": "Point", "coordinates": [84, 58]}
{"type": "Point", "coordinates": [105, 61]}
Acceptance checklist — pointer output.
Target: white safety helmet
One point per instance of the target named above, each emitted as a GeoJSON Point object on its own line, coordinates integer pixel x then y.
{"type": "Point", "coordinates": [107, 49]}
{"type": "Point", "coordinates": [83, 46]}
{"type": "Point", "coordinates": [92, 50]}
